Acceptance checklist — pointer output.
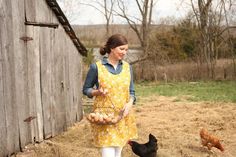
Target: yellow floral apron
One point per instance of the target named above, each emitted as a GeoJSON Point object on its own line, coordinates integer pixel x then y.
{"type": "Point", "coordinates": [118, 94]}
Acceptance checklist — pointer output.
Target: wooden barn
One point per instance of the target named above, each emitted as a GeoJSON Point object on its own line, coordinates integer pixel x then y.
{"type": "Point", "coordinates": [40, 73]}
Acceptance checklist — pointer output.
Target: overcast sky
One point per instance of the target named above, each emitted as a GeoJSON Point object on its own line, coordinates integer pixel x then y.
{"type": "Point", "coordinates": [87, 15]}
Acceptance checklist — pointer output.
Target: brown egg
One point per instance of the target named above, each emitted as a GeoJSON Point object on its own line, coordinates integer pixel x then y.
{"type": "Point", "coordinates": [116, 119]}
{"type": "Point", "coordinates": [92, 120]}
{"type": "Point", "coordinates": [110, 115]}
{"type": "Point", "coordinates": [96, 118]}
{"type": "Point", "coordinates": [92, 115]}
{"type": "Point", "coordinates": [97, 114]}
{"type": "Point", "coordinates": [108, 119]}
{"type": "Point", "coordinates": [105, 116]}
{"type": "Point", "coordinates": [103, 122]}
{"type": "Point", "coordinates": [113, 120]}
{"type": "Point", "coordinates": [89, 117]}
{"type": "Point", "coordinates": [100, 119]}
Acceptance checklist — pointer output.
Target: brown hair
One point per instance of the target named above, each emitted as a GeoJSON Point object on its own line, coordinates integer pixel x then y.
{"type": "Point", "coordinates": [113, 42]}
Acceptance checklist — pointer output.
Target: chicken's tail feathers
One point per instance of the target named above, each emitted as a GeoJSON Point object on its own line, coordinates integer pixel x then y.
{"type": "Point", "coordinates": [220, 147]}
{"type": "Point", "coordinates": [152, 138]}
{"type": "Point", "coordinates": [208, 138]}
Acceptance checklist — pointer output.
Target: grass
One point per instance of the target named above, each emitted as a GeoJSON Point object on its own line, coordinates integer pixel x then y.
{"type": "Point", "coordinates": [197, 91]}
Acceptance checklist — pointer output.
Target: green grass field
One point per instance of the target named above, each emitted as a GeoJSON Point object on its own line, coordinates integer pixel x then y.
{"type": "Point", "coordinates": [197, 91]}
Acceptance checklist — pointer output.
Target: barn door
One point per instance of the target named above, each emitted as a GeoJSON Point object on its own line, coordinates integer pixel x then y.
{"type": "Point", "coordinates": [48, 81]}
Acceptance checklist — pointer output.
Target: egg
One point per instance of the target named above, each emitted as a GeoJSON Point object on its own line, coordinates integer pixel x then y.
{"type": "Point", "coordinates": [92, 115]}
{"type": "Point", "coordinates": [89, 117]}
{"type": "Point", "coordinates": [108, 119]}
{"type": "Point", "coordinates": [105, 116]}
{"type": "Point", "coordinates": [100, 118]}
{"type": "Point", "coordinates": [96, 118]}
{"type": "Point", "coordinates": [113, 121]}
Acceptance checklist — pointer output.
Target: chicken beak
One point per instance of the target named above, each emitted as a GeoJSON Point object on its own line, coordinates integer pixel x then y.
{"type": "Point", "coordinates": [129, 142]}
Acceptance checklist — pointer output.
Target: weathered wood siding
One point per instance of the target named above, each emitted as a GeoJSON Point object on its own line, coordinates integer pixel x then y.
{"type": "Point", "coordinates": [40, 78]}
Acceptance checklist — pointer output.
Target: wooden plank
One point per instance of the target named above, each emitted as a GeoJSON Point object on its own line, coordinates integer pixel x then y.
{"type": "Point", "coordinates": [75, 84]}
{"type": "Point", "coordinates": [20, 62]}
{"type": "Point", "coordinates": [53, 120]}
{"type": "Point", "coordinates": [79, 88]}
{"type": "Point", "coordinates": [53, 74]}
{"type": "Point", "coordinates": [3, 128]}
{"type": "Point", "coordinates": [43, 12]}
{"type": "Point", "coordinates": [38, 103]}
{"type": "Point", "coordinates": [31, 84]}
{"type": "Point", "coordinates": [54, 106]}
{"type": "Point", "coordinates": [45, 64]}
{"type": "Point", "coordinates": [72, 84]}
{"type": "Point", "coordinates": [9, 135]}
{"type": "Point", "coordinates": [38, 11]}
{"type": "Point", "coordinates": [30, 10]}
{"type": "Point", "coordinates": [67, 104]}
{"type": "Point", "coordinates": [59, 111]}
{"type": "Point", "coordinates": [34, 89]}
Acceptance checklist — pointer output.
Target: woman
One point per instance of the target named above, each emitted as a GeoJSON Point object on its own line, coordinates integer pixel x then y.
{"type": "Point", "coordinates": [113, 81]}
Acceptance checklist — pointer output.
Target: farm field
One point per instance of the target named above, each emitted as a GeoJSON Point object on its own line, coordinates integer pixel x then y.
{"type": "Point", "coordinates": [175, 121]}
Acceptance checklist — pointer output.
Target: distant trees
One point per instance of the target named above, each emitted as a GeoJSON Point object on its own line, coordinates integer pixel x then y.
{"type": "Point", "coordinates": [176, 43]}
{"type": "Point", "coordinates": [203, 35]}
{"type": "Point", "coordinates": [211, 20]}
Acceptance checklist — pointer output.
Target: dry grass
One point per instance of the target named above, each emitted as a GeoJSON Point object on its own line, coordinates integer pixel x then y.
{"type": "Point", "coordinates": [176, 124]}
{"type": "Point", "coordinates": [183, 71]}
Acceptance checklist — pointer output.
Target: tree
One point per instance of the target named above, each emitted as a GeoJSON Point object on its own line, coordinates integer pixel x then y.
{"type": "Point", "coordinates": [105, 7]}
{"type": "Point", "coordinates": [210, 20]}
{"type": "Point", "coordinates": [70, 8]}
{"type": "Point", "coordinates": [140, 23]}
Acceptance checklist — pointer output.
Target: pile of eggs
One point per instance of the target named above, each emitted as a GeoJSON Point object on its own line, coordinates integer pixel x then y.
{"type": "Point", "coordinates": [102, 118]}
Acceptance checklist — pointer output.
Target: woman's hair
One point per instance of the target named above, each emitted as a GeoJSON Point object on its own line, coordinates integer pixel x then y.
{"type": "Point", "coordinates": [113, 42]}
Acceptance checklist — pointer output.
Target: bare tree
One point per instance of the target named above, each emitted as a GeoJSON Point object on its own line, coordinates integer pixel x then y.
{"type": "Point", "coordinates": [139, 23]}
{"type": "Point", "coordinates": [70, 8]}
{"type": "Point", "coordinates": [105, 7]}
{"type": "Point", "coordinates": [228, 32]}
{"type": "Point", "coordinates": [210, 23]}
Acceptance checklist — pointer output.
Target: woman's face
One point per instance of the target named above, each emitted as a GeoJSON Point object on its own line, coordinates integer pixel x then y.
{"type": "Point", "coordinates": [119, 52]}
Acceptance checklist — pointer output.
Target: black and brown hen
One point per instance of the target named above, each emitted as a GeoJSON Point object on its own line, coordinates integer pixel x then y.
{"type": "Point", "coordinates": [148, 149]}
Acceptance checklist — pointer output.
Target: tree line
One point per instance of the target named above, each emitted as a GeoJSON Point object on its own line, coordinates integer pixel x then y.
{"type": "Point", "coordinates": [204, 35]}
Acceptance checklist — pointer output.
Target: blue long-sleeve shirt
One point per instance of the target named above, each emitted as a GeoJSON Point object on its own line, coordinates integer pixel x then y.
{"type": "Point", "coordinates": [92, 78]}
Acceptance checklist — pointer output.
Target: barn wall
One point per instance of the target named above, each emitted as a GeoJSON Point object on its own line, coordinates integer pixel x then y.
{"type": "Point", "coordinates": [40, 76]}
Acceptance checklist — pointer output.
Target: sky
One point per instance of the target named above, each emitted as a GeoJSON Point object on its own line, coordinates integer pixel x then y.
{"type": "Point", "coordinates": [86, 15]}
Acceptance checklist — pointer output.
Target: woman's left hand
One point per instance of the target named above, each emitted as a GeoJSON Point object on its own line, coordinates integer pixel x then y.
{"type": "Point", "coordinates": [127, 108]}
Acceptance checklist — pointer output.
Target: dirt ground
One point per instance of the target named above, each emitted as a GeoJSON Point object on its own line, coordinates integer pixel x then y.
{"type": "Point", "coordinates": [174, 121]}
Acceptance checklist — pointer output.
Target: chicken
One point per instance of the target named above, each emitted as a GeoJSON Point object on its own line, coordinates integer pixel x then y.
{"type": "Point", "coordinates": [210, 141]}
{"type": "Point", "coordinates": [148, 149]}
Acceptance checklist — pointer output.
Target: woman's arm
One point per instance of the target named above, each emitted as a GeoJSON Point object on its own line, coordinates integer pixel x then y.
{"type": "Point", "coordinates": [131, 88]}
{"type": "Point", "coordinates": [131, 102]}
{"type": "Point", "coordinates": [90, 81]}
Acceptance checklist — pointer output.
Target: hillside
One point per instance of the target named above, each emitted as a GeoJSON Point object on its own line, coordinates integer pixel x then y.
{"type": "Point", "coordinates": [95, 34]}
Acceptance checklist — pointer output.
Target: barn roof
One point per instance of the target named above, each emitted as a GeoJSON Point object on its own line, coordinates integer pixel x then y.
{"type": "Point", "coordinates": [66, 25]}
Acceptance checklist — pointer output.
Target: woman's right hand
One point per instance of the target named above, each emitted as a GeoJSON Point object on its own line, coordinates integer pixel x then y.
{"type": "Point", "coordinates": [100, 92]}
